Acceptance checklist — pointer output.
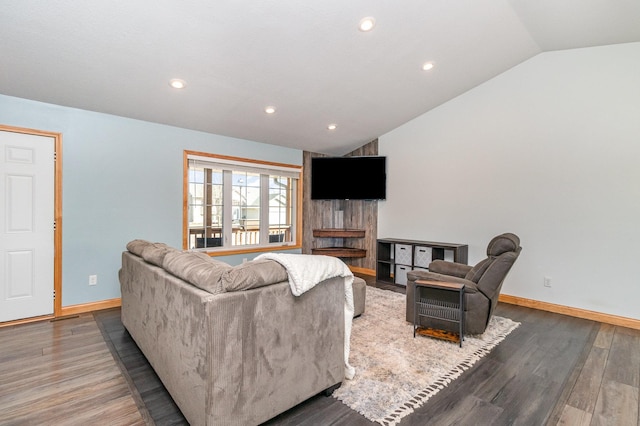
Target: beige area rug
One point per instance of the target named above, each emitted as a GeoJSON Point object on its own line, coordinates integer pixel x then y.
{"type": "Point", "coordinates": [396, 373]}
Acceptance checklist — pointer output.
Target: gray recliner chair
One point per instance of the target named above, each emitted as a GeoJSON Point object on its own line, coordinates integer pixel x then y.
{"type": "Point", "coordinates": [482, 283]}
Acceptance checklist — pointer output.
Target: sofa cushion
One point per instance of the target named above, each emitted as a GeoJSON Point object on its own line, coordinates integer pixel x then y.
{"type": "Point", "coordinates": [154, 253]}
{"type": "Point", "coordinates": [137, 246]}
{"type": "Point", "coordinates": [254, 274]}
{"type": "Point", "coordinates": [197, 269]}
{"type": "Point", "coordinates": [204, 256]}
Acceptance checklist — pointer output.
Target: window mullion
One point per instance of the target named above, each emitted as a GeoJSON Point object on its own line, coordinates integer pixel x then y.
{"type": "Point", "coordinates": [292, 209]}
{"type": "Point", "coordinates": [207, 193]}
{"type": "Point", "coordinates": [227, 209]}
{"type": "Point", "coordinates": [264, 209]}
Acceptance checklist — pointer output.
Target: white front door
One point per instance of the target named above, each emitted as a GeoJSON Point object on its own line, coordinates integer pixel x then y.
{"type": "Point", "coordinates": [27, 194]}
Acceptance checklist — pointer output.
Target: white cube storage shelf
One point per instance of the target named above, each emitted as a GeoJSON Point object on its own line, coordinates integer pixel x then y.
{"type": "Point", "coordinates": [396, 257]}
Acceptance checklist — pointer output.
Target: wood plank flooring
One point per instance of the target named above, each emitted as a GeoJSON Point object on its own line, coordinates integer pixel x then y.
{"type": "Point", "coordinates": [606, 391]}
{"type": "Point", "coordinates": [148, 390]}
{"type": "Point", "coordinates": [61, 373]}
{"type": "Point", "coordinates": [552, 370]}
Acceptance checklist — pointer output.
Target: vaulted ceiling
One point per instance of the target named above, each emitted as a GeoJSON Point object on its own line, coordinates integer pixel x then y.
{"type": "Point", "coordinates": [307, 58]}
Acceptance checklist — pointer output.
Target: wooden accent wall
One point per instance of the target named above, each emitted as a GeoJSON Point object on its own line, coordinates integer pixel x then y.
{"type": "Point", "coordinates": [358, 214]}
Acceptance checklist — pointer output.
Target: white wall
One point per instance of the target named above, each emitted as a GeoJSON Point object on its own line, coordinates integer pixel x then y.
{"type": "Point", "coordinates": [549, 150]}
{"type": "Point", "coordinates": [121, 179]}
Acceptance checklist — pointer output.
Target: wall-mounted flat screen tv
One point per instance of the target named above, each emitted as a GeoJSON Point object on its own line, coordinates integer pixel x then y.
{"type": "Point", "coordinates": [349, 178]}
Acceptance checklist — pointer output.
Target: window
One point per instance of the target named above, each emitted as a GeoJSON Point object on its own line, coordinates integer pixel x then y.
{"type": "Point", "coordinates": [238, 205]}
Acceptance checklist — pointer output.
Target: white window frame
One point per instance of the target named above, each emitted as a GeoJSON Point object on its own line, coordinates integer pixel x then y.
{"type": "Point", "coordinates": [265, 168]}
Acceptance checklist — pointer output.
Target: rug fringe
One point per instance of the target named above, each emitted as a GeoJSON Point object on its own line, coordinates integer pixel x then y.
{"type": "Point", "coordinates": [426, 394]}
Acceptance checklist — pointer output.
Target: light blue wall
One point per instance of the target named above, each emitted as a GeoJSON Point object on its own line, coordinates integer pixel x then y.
{"type": "Point", "coordinates": [122, 179]}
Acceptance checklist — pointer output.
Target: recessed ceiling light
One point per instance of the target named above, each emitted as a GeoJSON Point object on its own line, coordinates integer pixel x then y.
{"type": "Point", "coordinates": [332, 126]}
{"type": "Point", "coordinates": [427, 66]}
{"type": "Point", "coordinates": [367, 24]}
{"type": "Point", "coordinates": [176, 83]}
{"type": "Point", "coordinates": [270, 109]}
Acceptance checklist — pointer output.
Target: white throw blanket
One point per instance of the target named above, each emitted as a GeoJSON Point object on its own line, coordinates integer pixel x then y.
{"type": "Point", "coordinates": [305, 271]}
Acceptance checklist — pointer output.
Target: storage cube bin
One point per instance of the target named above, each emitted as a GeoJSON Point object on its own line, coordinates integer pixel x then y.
{"type": "Point", "coordinates": [422, 256]}
{"type": "Point", "coordinates": [401, 274]}
{"type": "Point", "coordinates": [403, 254]}
{"type": "Point", "coordinates": [448, 255]}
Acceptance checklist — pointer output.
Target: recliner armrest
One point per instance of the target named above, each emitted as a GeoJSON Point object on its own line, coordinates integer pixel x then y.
{"type": "Point", "coordinates": [449, 268]}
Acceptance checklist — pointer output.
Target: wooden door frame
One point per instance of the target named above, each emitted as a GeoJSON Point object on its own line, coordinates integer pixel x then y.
{"type": "Point", "coordinates": [57, 231]}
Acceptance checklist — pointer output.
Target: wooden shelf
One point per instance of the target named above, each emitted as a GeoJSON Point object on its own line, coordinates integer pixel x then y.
{"type": "Point", "coordinates": [338, 233]}
{"type": "Point", "coordinates": [340, 251]}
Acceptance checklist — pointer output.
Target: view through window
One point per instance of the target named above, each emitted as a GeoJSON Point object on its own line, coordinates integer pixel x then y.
{"type": "Point", "coordinates": [239, 204]}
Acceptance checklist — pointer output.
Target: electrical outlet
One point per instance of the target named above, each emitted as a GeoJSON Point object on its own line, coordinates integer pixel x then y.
{"type": "Point", "coordinates": [547, 281]}
{"type": "Point", "coordinates": [93, 280]}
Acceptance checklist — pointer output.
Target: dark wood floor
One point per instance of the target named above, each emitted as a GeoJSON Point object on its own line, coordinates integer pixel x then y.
{"type": "Point", "coordinates": [553, 369]}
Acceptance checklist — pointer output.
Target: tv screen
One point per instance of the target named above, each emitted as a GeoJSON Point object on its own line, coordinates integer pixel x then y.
{"type": "Point", "coordinates": [349, 178]}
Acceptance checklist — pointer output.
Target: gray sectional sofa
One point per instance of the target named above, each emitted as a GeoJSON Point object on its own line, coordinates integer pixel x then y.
{"type": "Point", "coordinates": [232, 345]}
